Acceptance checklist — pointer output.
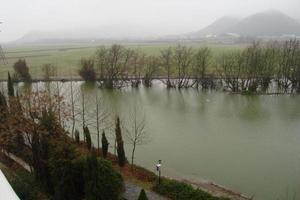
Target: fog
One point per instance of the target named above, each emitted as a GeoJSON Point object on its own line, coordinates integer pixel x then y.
{"type": "Point", "coordinates": [161, 17]}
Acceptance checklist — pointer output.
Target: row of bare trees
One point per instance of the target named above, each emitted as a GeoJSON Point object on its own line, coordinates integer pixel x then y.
{"type": "Point", "coordinates": [260, 65]}
{"type": "Point", "coordinates": [253, 69]}
{"type": "Point", "coordinates": [117, 66]}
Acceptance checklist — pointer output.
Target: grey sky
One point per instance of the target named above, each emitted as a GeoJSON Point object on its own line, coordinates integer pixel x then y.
{"type": "Point", "coordinates": [161, 16]}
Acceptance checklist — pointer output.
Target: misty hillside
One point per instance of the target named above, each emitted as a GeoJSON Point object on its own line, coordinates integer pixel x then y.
{"type": "Point", "coordinates": [116, 32]}
{"type": "Point", "coordinates": [218, 27]}
{"type": "Point", "coordinates": [270, 23]}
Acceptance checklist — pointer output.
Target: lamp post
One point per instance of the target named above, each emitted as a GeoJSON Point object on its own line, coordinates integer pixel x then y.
{"type": "Point", "coordinates": [158, 168]}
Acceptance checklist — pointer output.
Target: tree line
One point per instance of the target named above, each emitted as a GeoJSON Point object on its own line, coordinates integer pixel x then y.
{"type": "Point", "coordinates": [253, 69]}
{"type": "Point", "coordinates": [261, 67]}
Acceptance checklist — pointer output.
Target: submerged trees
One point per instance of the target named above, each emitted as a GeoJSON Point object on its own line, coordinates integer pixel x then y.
{"type": "Point", "coordinates": [230, 71]}
{"type": "Point", "coordinates": [183, 57]}
{"type": "Point", "coordinates": [248, 70]}
{"type": "Point", "coordinates": [112, 64]}
{"type": "Point", "coordinates": [253, 69]}
{"type": "Point", "coordinates": [167, 63]}
{"type": "Point", "coordinates": [289, 65]}
{"type": "Point", "coordinates": [200, 67]}
{"type": "Point", "coordinates": [137, 63]}
{"type": "Point", "coordinates": [151, 67]}
{"type": "Point", "coordinates": [87, 71]}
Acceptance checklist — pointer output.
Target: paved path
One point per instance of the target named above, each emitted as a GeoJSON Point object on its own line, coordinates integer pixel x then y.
{"type": "Point", "coordinates": [132, 193]}
{"type": "Point", "coordinates": [18, 160]}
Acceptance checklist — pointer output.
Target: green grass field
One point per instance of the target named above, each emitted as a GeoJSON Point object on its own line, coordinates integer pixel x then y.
{"type": "Point", "coordinates": [67, 57]}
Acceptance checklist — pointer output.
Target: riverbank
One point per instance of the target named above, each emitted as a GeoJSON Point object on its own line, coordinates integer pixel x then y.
{"type": "Point", "coordinates": [147, 179]}
{"type": "Point", "coordinates": [136, 177]}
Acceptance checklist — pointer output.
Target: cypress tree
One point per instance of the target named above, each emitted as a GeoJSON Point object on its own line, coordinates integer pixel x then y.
{"type": "Point", "coordinates": [3, 103]}
{"type": "Point", "coordinates": [143, 195]}
{"type": "Point", "coordinates": [120, 145]}
{"type": "Point", "coordinates": [77, 136]}
{"type": "Point", "coordinates": [104, 145]}
{"type": "Point", "coordinates": [88, 137]}
{"type": "Point", "coordinates": [3, 108]}
{"type": "Point", "coordinates": [10, 86]}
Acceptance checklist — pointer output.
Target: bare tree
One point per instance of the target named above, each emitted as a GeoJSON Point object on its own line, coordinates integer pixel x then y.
{"type": "Point", "coordinates": [49, 70]}
{"type": "Point", "coordinates": [135, 130]}
{"type": "Point", "coordinates": [137, 61]}
{"type": "Point", "coordinates": [151, 67]}
{"type": "Point", "coordinates": [101, 118]}
{"type": "Point", "coordinates": [113, 65]}
{"type": "Point", "coordinates": [200, 65]}
{"type": "Point", "coordinates": [230, 69]}
{"type": "Point", "coordinates": [101, 62]}
{"type": "Point", "coordinates": [87, 71]}
{"type": "Point", "coordinates": [75, 111]}
{"type": "Point", "coordinates": [166, 57]}
{"type": "Point", "coordinates": [269, 64]}
{"type": "Point", "coordinates": [289, 70]}
{"type": "Point", "coordinates": [183, 59]}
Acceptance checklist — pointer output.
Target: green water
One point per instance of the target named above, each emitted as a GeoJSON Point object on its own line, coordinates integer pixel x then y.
{"type": "Point", "coordinates": [250, 144]}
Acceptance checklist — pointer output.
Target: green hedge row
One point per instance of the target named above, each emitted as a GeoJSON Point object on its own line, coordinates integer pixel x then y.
{"type": "Point", "coordinates": [181, 191]}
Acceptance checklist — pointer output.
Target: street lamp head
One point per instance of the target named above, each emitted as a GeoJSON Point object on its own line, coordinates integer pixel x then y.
{"type": "Point", "coordinates": [158, 165]}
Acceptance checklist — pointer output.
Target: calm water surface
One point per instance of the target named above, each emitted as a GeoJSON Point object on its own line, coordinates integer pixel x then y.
{"type": "Point", "coordinates": [247, 143]}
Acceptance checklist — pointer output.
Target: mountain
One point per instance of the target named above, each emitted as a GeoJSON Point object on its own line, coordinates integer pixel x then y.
{"type": "Point", "coordinates": [111, 32]}
{"type": "Point", "coordinates": [218, 27]}
{"type": "Point", "coordinates": [269, 23]}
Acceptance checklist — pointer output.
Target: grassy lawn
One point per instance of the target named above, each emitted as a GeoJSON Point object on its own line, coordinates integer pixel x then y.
{"type": "Point", "coordinates": [67, 57]}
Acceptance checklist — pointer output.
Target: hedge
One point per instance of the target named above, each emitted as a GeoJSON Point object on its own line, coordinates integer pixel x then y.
{"type": "Point", "coordinates": [181, 191]}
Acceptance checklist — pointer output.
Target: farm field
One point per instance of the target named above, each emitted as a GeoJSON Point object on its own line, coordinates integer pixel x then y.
{"type": "Point", "coordinates": [67, 57]}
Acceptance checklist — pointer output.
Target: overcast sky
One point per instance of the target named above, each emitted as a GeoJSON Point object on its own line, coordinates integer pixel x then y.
{"type": "Point", "coordinates": [161, 16]}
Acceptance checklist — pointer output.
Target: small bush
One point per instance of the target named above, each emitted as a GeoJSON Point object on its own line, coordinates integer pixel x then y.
{"type": "Point", "coordinates": [143, 195]}
{"type": "Point", "coordinates": [22, 70]}
{"type": "Point", "coordinates": [178, 190]}
{"type": "Point", "coordinates": [101, 181]}
{"type": "Point", "coordinates": [104, 145]}
{"type": "Point", "coordinates": [88, 138]}
{"type": "Point", "coordinates": [77, 136]}
{"type": "Point", "coordinates": [26, 187]}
